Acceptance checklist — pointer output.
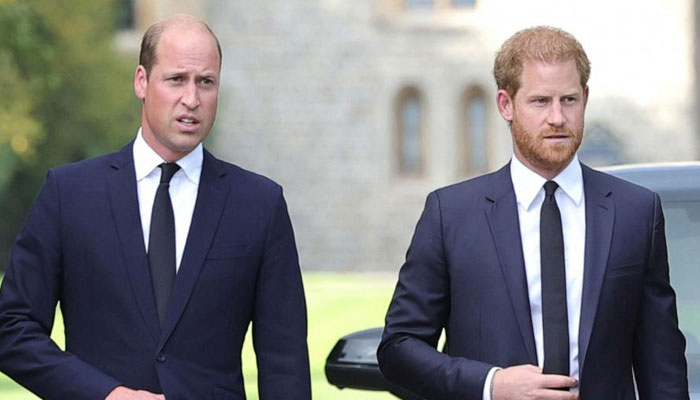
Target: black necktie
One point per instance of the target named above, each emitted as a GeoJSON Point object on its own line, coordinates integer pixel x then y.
{"type": "Point", "coordinates": [161, 241]}
{"type": "Point", "coordinates": [555, 324]}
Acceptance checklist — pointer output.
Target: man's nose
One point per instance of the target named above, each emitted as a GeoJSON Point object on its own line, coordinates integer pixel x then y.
{"type": "Point", "coordinates": [190, 97]}
{"type": "Point", "coordinates": [556, 115]}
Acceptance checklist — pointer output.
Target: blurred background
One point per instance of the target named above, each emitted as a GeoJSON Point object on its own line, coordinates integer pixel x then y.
{"type": "Point", "coordinates": [358, 108]}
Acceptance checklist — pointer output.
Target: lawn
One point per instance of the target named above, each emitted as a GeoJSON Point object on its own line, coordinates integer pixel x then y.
{"type": "Point", "coordinates": [338, 304]}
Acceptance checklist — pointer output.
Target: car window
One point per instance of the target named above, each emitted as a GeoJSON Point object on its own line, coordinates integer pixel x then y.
{"type": "Point", "coordinates": [683, 238]}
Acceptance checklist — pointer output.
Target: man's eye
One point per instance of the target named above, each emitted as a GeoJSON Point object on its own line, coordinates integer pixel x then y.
{"type": "Point", "coordinates": [541, 101]}
{"type": "Point", "coordinates": [175, 79]}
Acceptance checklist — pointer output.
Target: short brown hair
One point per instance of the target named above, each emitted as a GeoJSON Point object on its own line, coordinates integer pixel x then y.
{"type": "Point", "coordinates": [149, 43]}
{"type": "Point", "coordinates": [542, 43]}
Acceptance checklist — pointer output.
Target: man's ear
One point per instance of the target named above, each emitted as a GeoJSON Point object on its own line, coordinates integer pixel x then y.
{"type": "Point", "coordinates": [585, 97]}
{"type": "Point", "coordinates": [140, 82]}
{"type": "Point", "coordinates": [505, 105]}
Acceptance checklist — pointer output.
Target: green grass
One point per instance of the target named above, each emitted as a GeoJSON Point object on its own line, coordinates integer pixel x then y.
{"type": "Point", "coordinates": [338, 304]}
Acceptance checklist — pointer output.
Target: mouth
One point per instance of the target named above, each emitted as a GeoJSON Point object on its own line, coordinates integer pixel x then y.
{"type": "Point", "coordinates": [557, 137]}
{"type": "Point", "coordinates": [188, 123]}
{"type": "Point", "coordinates": [187, 120]}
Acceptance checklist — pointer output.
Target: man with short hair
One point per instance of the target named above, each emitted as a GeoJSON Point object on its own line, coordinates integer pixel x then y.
{"type": "Point", "coordinates": [160, 256]}
{"type": "Point", "coordinates": [550, 279]}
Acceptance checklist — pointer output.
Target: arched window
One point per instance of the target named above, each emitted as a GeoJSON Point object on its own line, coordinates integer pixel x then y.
{"type": "Point", "coordinates": [473, 140]}
{"type": "Point", "coordinates": [409, 116]}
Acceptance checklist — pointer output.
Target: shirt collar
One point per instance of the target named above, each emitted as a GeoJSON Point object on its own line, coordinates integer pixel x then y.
{"type": "Point", "coordinates": [528, 184]}
{"type": "Point", "coordinates": [146, 160]}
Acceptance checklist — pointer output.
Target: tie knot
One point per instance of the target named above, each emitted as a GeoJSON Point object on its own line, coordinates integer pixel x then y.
{"type": "Point", "coordinates": [168, 170]}
{"type": "Point", "coordinates": [549, 188]}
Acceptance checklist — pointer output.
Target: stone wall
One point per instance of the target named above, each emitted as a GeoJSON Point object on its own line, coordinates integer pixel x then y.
{"type": "Point", "coordinates": [308, 91]}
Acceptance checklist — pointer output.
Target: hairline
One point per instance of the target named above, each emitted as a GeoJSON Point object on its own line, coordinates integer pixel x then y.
{"type": "Point", "coordinates": [148, 55]}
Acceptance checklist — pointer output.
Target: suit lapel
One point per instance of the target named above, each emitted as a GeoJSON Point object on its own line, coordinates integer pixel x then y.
{"type": "Point", "coordinates": [123, 198]}
{"type": "Point", "coordinates": [211, 197]}
{"type": "Point", "coordinates": [600, 215]}
{"type": "Point", "coordinates": [502, 214]}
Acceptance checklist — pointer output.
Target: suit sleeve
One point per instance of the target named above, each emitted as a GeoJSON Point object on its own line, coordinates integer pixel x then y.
{"type": "Point", "coordinates": [279, 320]}
{"type": "Point", "coordinates": [659, 361]}
{"type": "Point", "coordinates": [417, 314]}
{"type": "Point", "coordinates": [30, 291]}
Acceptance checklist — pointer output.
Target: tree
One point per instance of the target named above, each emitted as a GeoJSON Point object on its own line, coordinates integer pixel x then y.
{"type": "Point", "coordinates": [66, 96]}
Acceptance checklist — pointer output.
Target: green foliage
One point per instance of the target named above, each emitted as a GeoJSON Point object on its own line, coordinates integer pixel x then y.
{"type": "Point", "coordinates": [66, 95]}
{"type": "Point", "coordinates": [25, 54]}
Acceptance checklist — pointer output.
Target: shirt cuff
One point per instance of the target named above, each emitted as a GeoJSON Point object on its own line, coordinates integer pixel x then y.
{"type": "Point", "coordinates": [487, 383]}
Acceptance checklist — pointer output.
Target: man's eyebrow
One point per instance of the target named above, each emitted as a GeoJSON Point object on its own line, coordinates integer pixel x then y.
{"type": "Point", "coordinates": [538, 96]}
{"type": "Point", "coordinates": [569, 93]}
{"type": "Point", "coordinates": [173, 72]}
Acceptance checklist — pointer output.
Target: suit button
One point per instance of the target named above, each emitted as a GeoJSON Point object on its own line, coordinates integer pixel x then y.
{"type": "Point", "coordinates": [161, 358]}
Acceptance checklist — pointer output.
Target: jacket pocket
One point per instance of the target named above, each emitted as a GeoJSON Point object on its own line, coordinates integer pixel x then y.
{"type": "Point", "coordinates": [615, 271]}
{"type": "Point", "coordinates": [226, 252]}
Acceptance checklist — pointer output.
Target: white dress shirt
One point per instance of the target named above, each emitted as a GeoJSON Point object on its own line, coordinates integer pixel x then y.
{"type": "Point", "coordinates": [529, 194]}
{"type": "Point", "coordinates": [183, 189]}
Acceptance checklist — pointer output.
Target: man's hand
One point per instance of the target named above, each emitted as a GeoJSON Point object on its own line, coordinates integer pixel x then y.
{"type": "Point", "coordinates": [124, 393]}
{"type": "Point", "coordinates": [526, 382]}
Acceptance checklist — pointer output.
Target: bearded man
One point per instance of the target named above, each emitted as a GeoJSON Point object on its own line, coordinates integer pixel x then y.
{"type": "Point", "coordinates": [550, 279]}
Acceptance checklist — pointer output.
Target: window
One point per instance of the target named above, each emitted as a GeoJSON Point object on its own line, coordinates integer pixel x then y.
{"type": "Point", "coordinates": [682, 224]}
{"type": "Point", "coordinates": [473, 133]}
{"type": "Point", "coordinates": [409, 127]}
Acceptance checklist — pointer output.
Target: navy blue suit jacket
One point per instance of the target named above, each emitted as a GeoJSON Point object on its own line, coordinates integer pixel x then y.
{"type": "Point", "coordinates": [82, 246]}
{"type": "Point", "coordinates": [464, 272]}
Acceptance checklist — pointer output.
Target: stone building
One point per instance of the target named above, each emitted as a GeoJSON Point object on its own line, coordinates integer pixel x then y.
{"type": "Point", "coordinates": [360, 108]}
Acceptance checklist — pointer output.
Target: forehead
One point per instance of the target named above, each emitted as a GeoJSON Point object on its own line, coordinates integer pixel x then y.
{"type": "Point", "coordinates": [190, 46]}
{"type": "Point", "coordinates": [558, 75]}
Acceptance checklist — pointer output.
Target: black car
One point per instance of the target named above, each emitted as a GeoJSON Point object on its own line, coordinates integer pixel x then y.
{"type": "Point", "coordinates": [353, 363]}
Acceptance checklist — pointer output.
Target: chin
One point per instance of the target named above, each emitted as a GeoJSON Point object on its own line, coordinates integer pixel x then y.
{"type": "Point", "coordinates": [557, 163]}
{"type": "Point", "coordinates": [188, 140]}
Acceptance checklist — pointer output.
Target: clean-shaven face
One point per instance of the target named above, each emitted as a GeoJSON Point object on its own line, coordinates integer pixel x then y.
{"type": "Point", "coordinates": [180, 93]}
